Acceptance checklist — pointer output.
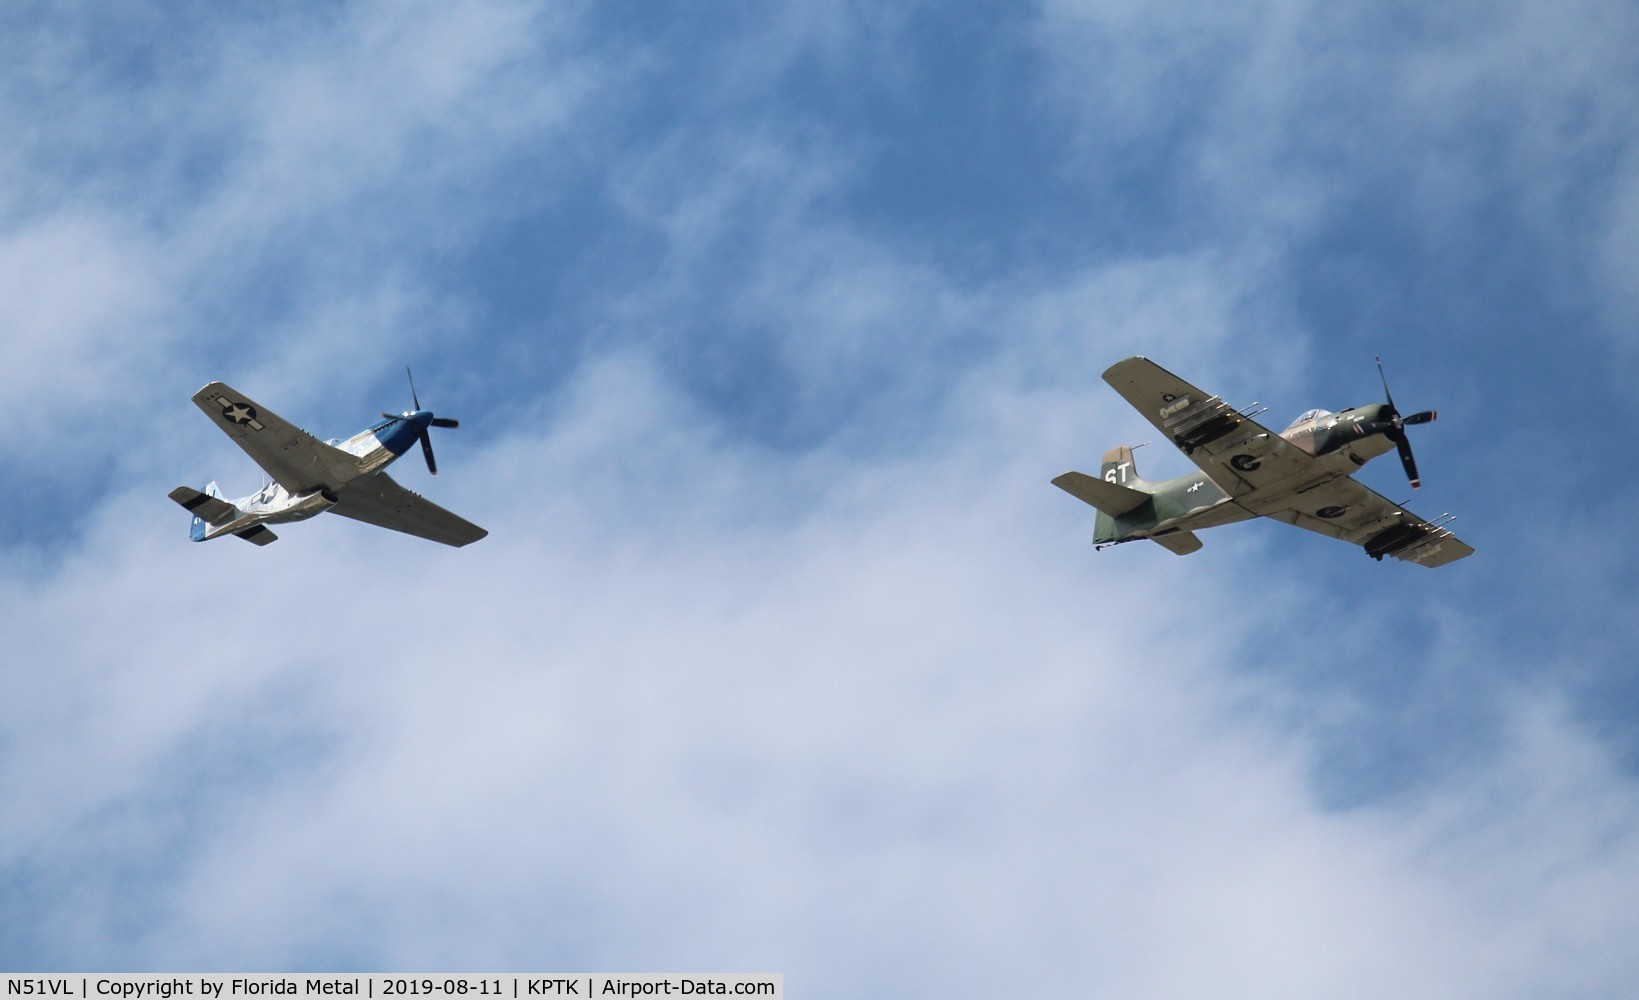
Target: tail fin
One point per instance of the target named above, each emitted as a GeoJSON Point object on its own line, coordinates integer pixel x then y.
{"type": "Point", "coordinates": [196, 530]}
{"type": "Point", "coordinates": [207, 508]}
{"type": "Point", "coordinates": [1118, 468]}
{"type": "Point", "coordinates": [1117, 491]}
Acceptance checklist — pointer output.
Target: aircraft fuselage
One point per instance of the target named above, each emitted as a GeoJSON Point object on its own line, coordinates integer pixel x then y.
{"type": "Point", "coordinates": [1302, 476]}
{"type": "Point", "coordinates": [1342, 442]}
{"type": "Point", "coordinates": [376, 447]}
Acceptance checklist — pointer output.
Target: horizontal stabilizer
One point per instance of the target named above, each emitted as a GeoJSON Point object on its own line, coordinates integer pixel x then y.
{"type": "Point", "coordinates": [258, 535]}
{"type": "Point", "coordinates": [1110, 498]}
{"type": "Point", "coordinates": [1180, 543]}
{"type": "Point", "coordinates": [208, 508]}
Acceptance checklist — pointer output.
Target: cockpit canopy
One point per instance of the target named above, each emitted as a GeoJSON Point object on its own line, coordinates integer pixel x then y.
{"type": "Point", "coordinates": [1307, 416]}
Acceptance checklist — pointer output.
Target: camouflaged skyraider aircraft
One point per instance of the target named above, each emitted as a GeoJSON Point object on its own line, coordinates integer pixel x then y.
{"type": "Point", "coordinates": [312, 476]}
{"type": "Point", "coordinates": [1299, 476]}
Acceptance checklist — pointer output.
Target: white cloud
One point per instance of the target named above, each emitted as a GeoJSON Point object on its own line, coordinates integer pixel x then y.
{"type": "Point", "coordinates": [405, 101]}
{"type": "Point", "coordinates": [288, 176]}
{"type": "Point", "coordinates": [911, 728]}
{"type": "Point", "coordinates": [1619, 248]}
{"type": "Point", "coordinates": [870, 716]}
{"type": "Point", "coordinates": [71, 289]}
{"type": "Point", "coordinates": [1290, 114]}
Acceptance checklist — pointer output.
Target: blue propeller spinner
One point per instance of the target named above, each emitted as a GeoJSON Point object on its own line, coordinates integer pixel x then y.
{"type": "Point", "coordinates": [422, 420]}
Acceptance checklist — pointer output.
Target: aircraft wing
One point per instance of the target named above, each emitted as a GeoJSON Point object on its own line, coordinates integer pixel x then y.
{"type": "Point", "coordinates": [380, 501]}
{"type": "Point", "coordinates": [1268, 475]}
{"type": "Point", "coordinates": [297, 460]}
{"type": "Point", "coordinates": [1240, 454]}
{"type": "Point", "coordinates": [1342, 508]}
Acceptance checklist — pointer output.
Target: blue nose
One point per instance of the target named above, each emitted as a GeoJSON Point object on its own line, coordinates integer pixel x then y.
{"type": "Point", "coordinates": [400, 436]}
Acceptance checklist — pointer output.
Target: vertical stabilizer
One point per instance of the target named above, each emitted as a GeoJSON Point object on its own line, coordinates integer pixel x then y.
{"type": "Point", "coordinates": [196, 530]}
{"type": "Point", "coordinates": [205, 507]}
{"type": "Point", "coordinates": [1117, 468]}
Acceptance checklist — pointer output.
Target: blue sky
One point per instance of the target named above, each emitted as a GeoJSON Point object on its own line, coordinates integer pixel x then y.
{"type": "Point", "coordinates": [767, 325]}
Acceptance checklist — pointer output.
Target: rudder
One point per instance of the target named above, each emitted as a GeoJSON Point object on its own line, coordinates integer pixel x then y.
{"type": "Point", "coordinates": [196, 530]}
{"type": "Point", "coordinates": [1118, 468]}
{"type": "Point", "coordinates": [207, 507]}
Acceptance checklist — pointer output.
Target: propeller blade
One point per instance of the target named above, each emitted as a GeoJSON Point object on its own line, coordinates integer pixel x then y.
{"type": "Point", "coordinates": [1426, 417]}
{"type": "Point", "coordinates": [427, 450]}
{"type": "Point", "coordinates": [393, 416]}
{"type": "Point", "coordinates": [1385, 378]}
{"type": "Point", "coordinates": [445, 422]}
{"type": "Point", "coordinates": [413, 397]}
{"type": "Point", "coordinates": [1406, 459]}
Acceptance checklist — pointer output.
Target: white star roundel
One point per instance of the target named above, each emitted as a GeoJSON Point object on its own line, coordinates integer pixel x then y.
{"type": "Point", "coordinates": [242, 414]}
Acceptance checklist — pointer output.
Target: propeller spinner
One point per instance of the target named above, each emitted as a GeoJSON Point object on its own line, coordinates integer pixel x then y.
{"type": "Point", "coordinates": [1396, 429]}
{"type": "Point", "coordinates": [425, 437]}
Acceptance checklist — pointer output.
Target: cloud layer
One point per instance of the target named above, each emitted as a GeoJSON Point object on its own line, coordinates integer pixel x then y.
{"type": "Point", "coordinates": [782, 654]}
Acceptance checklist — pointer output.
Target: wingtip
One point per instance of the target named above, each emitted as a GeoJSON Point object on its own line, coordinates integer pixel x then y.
{"type": "Point", "coordinates": [1111, 371]}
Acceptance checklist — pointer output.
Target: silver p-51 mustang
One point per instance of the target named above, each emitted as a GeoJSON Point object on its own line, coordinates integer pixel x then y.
{"type": "Point", "coordinates": [312, 476]}
{"type": "Point", "coordinates": [1300, 476]}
